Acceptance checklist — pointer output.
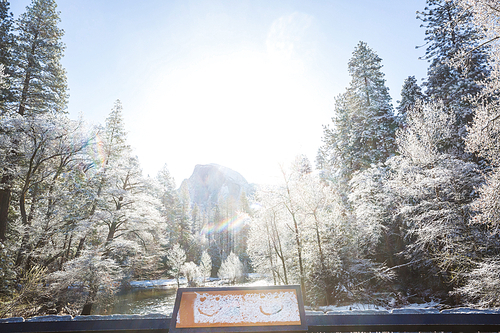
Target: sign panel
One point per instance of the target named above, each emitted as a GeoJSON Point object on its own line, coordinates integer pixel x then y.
{"type": "Point", "coordinates": [238, 309]}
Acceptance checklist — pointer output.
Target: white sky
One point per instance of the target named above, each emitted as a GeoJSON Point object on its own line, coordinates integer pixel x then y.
{"type": "Point", "coordinates": [244, 84]}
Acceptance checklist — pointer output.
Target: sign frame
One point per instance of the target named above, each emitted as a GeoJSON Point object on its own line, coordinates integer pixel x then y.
{"type": "Point", "coordinates": [234, 327]}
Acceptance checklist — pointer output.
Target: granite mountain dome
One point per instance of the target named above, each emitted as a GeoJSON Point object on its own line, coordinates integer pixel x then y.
{"type": "Point", "coordinates": [211, 184]}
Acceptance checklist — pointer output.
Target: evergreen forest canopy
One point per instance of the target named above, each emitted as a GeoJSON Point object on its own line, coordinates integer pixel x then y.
{"type": "Point", "coordinates": [402, 206]}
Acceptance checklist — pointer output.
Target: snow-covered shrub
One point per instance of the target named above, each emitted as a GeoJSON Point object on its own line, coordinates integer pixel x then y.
{"type": "Point", "coordinates": [191, 272]}
{"type": "Point", "coordinates": [231, 268]}
{"type": "Point", "coordinates": [26, 300]}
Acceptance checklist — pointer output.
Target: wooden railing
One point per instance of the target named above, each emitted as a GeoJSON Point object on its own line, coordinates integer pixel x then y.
{"type": "Point", "coordinates": [355, 321]}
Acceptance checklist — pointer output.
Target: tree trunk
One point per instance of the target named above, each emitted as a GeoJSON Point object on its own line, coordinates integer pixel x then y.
{"type": "Point", "coordinates": [5, 195]}
{"type": "Point", "coordinates": [80, 246]}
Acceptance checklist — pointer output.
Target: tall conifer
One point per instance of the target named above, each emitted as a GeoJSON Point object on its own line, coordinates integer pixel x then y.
{"type": "Point", "coordinates": [449, 30]}
{"type": "Point", "coordinates": [6, 59]}
{"type": "Point", "coordinates": [363, 125]}
{"type": "Point", "coordinates": [39, 79]}
{"type": "Point", "coordinates": [410, 94]}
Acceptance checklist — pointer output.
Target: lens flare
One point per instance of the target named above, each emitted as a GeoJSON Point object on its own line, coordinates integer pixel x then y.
{"type": "Point", "coordinates": [96, 151]}
{"type": "Point", "coordinates": [234, 223]}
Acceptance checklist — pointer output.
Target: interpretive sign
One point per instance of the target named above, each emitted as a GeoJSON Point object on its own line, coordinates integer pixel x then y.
{"type": "Point", "coordinates": [238, 309]}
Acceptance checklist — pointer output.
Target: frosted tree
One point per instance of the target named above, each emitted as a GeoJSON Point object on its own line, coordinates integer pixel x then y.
{"type": "Point", "coordinates": [372, 201]}
{"type": "Point", "coordinates": [231, 268]}
{"type": "Point", "coordinates": [121, 216]}
{"type": "Point", "coordinates": [275, 252]}
{"type": "Point", "coordinates": [305, 214]}
{"type": "Point", "coordinates": [48, 147]}
{"type": "Point", "coordinates": [39, 80]}
{"type": "Point", "coordinates": [191, 272]}
{"type": "Point", "coordinates": [176, 257]}
{"type": "Point", "coordinates": [205, 265]}
{"type": "Point", "coordinates": [410, 94]}
{"type": "Point", "coordinates": [481, 287]}
{"type": "Point", "coordinates": [85, 281]}
{"type": "Point", "coordinates": [363, 126]}
{"type": "Point", "coordinates": [450, 28]}
{"type": "Point", "coordinates": [435, 191]}
{"type": "Point", "coordinates": [169, 198]}
{"type": "Point", "coordinates": [6, 57]}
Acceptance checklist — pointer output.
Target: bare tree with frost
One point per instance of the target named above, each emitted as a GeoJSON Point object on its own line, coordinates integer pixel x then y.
{"type": "Point", "coordinates": [176, 257]}
{"type": "Point", "coordinates": [435, 190]}
{"type": "Point", "coordinates": [481, 287]}
{"type": "Point", "coordinates": [334, 267]}
{"type": "Point", "coordinates": [87, 280]}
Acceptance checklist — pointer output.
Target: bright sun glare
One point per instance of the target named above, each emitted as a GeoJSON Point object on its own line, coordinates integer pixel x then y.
{"type": "Point", "coordinates": [249, 103]}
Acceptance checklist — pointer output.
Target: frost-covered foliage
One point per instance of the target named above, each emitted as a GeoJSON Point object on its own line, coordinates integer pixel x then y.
{"type": "Point", "coordinates": [71, 191]}
{"type": "Point", "coordinates": [483, 285]}
{"type": "Point", "coordinates": [363, 127]}
{"type": "Point", "coordinates": [371, 199]}
{"type": "Point", "coordinates": [176, 257]}
{"type": "Point", "coordinates": [191, 272]}
{"type": "Point", "coordinates": [410, 94]}
{"type": "Point", "coordinates": [435, 190]}
{"type": "Point", "coordinates": [311, 238]}
{"type": "Point", "coordinates": [449, 29]}
{"type": "Point", "coordinates": [231, 269]}
{"type": "Point", "coordinates": [205, 265]}
{"type": "Point", "coordinates": [428, 133]}
{"type": "Point", "coordinates": [86, 280]}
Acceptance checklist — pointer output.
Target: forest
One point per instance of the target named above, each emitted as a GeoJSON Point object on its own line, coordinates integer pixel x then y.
{"type": "Point", "coordinates": [401, 206]}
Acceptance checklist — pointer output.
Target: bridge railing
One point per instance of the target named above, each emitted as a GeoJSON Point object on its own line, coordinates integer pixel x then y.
{"type": "Point", "coordinates": [463, 320]}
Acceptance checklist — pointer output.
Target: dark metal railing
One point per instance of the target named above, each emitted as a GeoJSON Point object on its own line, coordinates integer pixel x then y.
{"type": "Point", "coordinates": [468, 321]}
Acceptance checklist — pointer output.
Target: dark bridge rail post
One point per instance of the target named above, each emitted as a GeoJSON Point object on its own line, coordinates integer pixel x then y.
{"type": "Point", "coordinates": [383, 321]}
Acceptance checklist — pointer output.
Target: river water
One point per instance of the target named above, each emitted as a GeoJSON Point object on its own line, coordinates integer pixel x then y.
{"type": "Point", "coordinates": [143, 301]}
{"type": "Point", "coordinates": [152, 300]}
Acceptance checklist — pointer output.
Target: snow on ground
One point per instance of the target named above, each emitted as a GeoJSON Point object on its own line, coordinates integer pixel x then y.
{"type": "Point", "coordinates": [157, 283]}
{"type": "Point", "coordinates": [256, 280]}
{"type": "Point", "coordinates": [374, 308]}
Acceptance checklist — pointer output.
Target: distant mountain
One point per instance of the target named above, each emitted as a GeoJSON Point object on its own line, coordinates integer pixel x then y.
{"type": "Point", "coordinates": [212, 183]}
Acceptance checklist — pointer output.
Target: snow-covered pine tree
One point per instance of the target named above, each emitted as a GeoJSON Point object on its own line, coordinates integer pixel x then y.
{"type": "Point", "coordinates": [6, 58]}
{"type": "Point", "coordinates": [449, 29]}
{"type": "Point", "coordinates": [39, 80]}
{"type": "Point", "coordinates": [363, 126]}
{"type": "Point", "coordinates": [410, 94]}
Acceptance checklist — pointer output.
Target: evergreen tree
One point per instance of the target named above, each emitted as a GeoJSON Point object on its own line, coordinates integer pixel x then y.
{"type": "Point", "coordinates": [39, 80]}
{"type": "Point", "coordinates": [410, 94]}
{"type": "Point", "coordinates": [363, 125]}
{"type": "Point", "coordinates": [449, 29]}
{"type": "Point", "coordinates": [6, 63]}
{"type": "Point", "coordinates": [6, 59]}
